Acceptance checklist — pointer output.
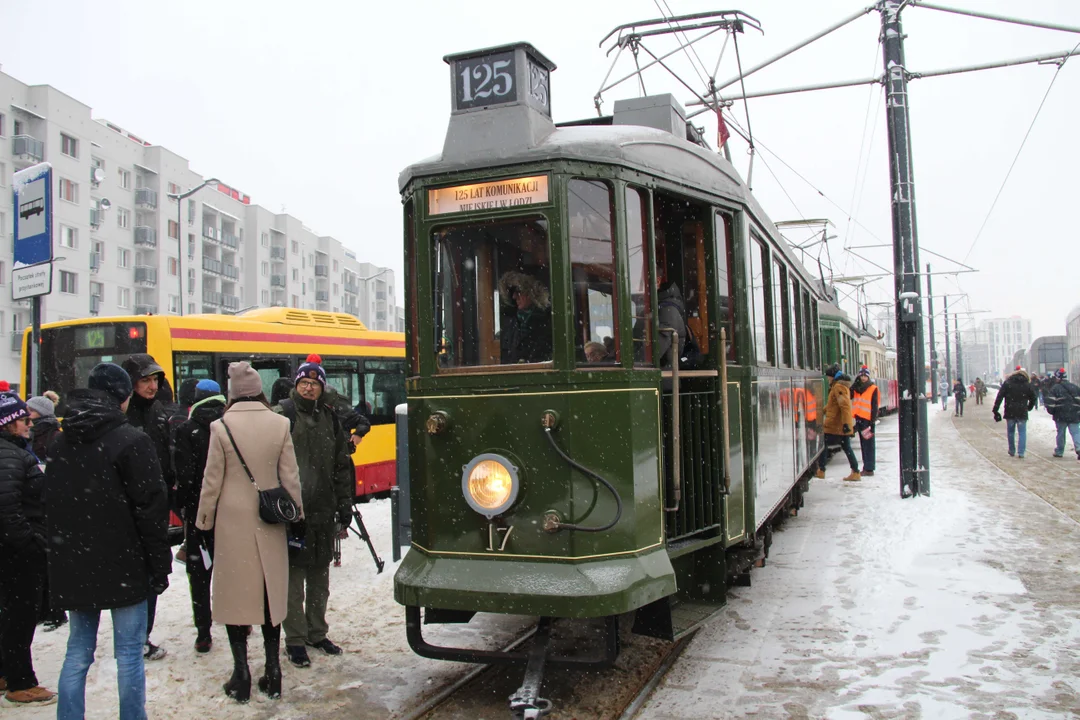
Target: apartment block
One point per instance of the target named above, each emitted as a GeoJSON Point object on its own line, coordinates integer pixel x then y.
{"type": "Point", "coordinates": [1002, 338]}
{"type": "Point", "coordinates": [123, 246]}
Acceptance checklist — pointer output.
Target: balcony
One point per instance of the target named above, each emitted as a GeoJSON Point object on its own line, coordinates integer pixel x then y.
{"type": "Point", "coordinates": [230, 302]}
{"type": "Point", "coordinates": [277, 253]}
{"type": "Point", "coordinates": [322, 296]}
{"type": "Point", "coordinates": [146, 309]}
{"type": "Point", "coordinates": [277, 281]}
{"type": "Point", "coordinates": [26, 150]}
{"type": "Point", "coordinates": [209, 297]}
{"type": "Point", "coordinates": [16, 342]}
{"type": "Point", "coordinates": [230, 271]}
{"type": "Point", "coordinates": [229, 240]}
{"type": "Point", "coordinates": [145, 275]}
{"type": "Point", "coordinates": [145, 198]}
{"type": "Point", "coordinates": [209, 264]}
{"type": "Point", "coordinates": [145, 236]}
{"type": "Point", "coordinates": [210, 231]}
{"type": "Point", "coordinates": [321, 271]}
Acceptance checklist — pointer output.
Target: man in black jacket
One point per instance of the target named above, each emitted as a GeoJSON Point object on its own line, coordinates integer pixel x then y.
{"type": "Point", "coordinates": [1019, 398]}
{"type": "Point", "coordinates": [107, 515]}
{"type": "Point", "coordinates": [22, 552]}
{"type": "Point", "coordinates": [146, 411]}
{"type": "Point", "coordinates": [192, 442]}
{"type": "Point", "coordinates": [1063, 404]}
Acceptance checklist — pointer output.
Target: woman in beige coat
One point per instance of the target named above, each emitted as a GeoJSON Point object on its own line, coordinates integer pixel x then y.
{"type": "Point", "coordinates": [251, 557]}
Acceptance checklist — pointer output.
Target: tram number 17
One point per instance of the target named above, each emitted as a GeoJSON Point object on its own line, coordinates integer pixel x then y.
{"type": "Point", "coordinates": [492, 78]}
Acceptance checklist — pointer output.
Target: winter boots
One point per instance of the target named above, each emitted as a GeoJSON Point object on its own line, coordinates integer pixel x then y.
{"type": "Point", "coordinates": [820, 474]}
{"type": "Point", "coordinates": [239, 685]}
{"type": "Point", "coordinates": [854, 476]}
{"type": "Point", "coordinates": [270, 682]}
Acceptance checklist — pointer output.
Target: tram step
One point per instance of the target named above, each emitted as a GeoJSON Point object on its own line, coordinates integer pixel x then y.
{"type": "Point", "coordinates": [671, 618]}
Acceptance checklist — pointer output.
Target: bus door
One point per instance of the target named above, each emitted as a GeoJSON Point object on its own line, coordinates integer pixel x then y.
{"type": "Point", "coordinates": [269, 369]}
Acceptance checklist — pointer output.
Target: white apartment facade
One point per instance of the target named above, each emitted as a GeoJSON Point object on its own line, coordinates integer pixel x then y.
{"type": "Point", "coordinates": [1002, 338]}
{"type": "Point", "coordinates": [120, 250]}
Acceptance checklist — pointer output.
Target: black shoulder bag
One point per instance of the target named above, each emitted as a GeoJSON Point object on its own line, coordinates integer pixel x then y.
{"type": "Point", "coordinates": [275, 504]}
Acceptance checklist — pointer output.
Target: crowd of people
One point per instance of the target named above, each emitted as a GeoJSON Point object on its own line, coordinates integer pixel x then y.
{"type": "Point", "coordinates": [84, 520]}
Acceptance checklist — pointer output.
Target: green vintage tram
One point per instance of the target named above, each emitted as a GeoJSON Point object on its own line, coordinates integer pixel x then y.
{"type": "Point", "coordinates": [565, 460]}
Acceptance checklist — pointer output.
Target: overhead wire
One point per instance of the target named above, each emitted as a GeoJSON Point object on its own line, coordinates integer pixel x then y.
{"type": "Point", "coordinates": [1019, 150]}
{"type": "Point", "coordinates": [856, 188]}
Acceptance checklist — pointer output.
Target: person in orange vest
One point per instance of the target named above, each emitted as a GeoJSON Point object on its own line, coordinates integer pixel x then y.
{"type": "Point", "coordinates": [865, 398]}
{"type": "Point", "coordinates": [839, 422]}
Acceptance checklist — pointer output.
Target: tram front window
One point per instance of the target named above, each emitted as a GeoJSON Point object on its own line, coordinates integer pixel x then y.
{"type": "Point", "coordinates": [492, 293]}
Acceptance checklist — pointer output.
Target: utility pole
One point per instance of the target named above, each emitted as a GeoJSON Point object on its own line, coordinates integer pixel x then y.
{"type": "Point", "coordinates": [959, 352]}
{"type": "Point", "coordinates": [914, 450]}
{"type": "Point", "coordinates": [933, 338]}
{"type": "Point", "coordinates": [948, 355]}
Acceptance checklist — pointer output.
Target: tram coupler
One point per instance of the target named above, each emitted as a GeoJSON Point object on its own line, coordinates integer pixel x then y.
{"type": "Point", "coordinates": [526, 703]}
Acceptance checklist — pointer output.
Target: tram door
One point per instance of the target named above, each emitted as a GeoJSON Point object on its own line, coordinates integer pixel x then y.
{"type": "Point", "coordinates": [685, 280]}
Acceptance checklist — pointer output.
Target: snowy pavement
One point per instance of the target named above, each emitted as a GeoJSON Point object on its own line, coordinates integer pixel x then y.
{"type": "Point", "coordinates": [963, 604]}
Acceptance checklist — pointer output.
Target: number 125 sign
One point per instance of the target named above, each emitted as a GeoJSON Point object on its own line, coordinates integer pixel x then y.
{"type": "Point", "coordinates": [487, 80]}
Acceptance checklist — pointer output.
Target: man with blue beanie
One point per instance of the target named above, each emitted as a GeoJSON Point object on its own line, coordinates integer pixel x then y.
{"type": "Point", "coordinates": [192, 446]}
{"type": "Point", "coordinates": [839, 423]}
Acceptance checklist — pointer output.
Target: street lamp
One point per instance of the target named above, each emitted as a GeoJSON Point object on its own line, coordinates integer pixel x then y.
{"type": "Point", "coordinates": [180, 197]}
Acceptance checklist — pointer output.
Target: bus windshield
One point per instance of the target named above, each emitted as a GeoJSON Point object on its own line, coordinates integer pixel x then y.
{"type": "Point", "coordinates": [70, 353]}
{"type": "Point", "coordinates": [492, 293]}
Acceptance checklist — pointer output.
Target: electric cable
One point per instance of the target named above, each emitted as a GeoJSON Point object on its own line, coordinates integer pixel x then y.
{"type": "Point", "coordinates": [590, 474]}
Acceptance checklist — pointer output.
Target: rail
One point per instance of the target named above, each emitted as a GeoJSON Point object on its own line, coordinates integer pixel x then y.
{"type": "Point", "coordinates": [676, 440]}
{"type": "Point", "coordinates": [725, 409]}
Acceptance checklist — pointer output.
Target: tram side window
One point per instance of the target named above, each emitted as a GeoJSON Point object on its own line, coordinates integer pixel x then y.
{"type": "Point", "coordinates": [411, 293]}
{"type": "Point", "coordinates": [638, 266]}
{"type": "Point", "coordinates": [680, 260]}
{"type": "Point", "coordinates": [813, 356]}
{"type": "Point", "coordinates": [592, 269]}
{"type": "Point", "coordinates": [781, 316]}
{"type": "Point", "coordinates": [492, 293]}
{"type": "Point", "coordinates": [725, 279]}
{"type": "Point", "coordinates": [798, 356]}
{"type": "Point", "coordinates": [815, 332]}
{"type": "Point", "coordinates": [763, 346]}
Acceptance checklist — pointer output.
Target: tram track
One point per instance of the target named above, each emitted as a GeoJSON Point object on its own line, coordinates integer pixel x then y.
{"type": "Point", "coordinates": [615, 693]}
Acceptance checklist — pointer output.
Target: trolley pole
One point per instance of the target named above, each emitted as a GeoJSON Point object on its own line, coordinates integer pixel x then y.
{"type": "Point", "coordinates": [948, 353]}
{"type": "Point", "coordinates": [914, 453]}
{"type": "Point", "coordinates": [933, 338]}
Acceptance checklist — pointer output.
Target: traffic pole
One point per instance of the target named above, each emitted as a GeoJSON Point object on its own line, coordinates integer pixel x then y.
{"type": "Point", "coordinates": [914, 460]}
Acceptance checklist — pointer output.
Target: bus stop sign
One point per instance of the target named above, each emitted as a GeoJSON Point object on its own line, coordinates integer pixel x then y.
{"type": "Point", "coordinates": [33, 232]}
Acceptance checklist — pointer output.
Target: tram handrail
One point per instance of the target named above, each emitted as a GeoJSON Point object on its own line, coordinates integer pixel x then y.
{"type": "Point", "coordinates": [676, 439]}
{"type": "Point", "coordinates": [726, 420]}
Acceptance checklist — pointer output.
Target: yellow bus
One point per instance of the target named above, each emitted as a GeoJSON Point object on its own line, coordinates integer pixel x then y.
{"type": "Point", "coordinates": [365, 367]}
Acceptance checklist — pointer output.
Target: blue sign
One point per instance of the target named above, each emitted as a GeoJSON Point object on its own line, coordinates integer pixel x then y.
{"type": "Point", "coordinates": [33, 215]}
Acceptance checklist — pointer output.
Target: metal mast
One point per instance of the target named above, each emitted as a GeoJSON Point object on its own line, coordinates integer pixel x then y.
{"type": "Point", "coordinates": [959, 352]}
{"type": "Point", "coordinates": [933, 338]}
{"type": "Point", "coordinates": [948, 354]}
{"type": "Point", "coordinates": [914, 455]}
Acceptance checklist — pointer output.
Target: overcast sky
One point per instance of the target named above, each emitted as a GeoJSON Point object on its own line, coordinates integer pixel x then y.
{"type": "Point", "coordinates": [317, 106]}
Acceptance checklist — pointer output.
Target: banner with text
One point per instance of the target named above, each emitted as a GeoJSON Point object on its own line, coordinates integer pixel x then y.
{"type": "Point", "coordinates": [497, 195]}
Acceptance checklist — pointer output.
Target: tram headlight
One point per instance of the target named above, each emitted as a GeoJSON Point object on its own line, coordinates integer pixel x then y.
{"type": "Point", "coordinates": [490, 484]}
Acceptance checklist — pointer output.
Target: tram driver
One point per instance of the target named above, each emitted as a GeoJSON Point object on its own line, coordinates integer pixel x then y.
{"type": "Point", "coordinates": [526, 338]}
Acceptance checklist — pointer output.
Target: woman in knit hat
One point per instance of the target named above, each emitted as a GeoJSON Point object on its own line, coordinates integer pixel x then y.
{"type": "Point", "coordinates": [45, 427]}
{"type": "Point", "coordinates": [251, 557]}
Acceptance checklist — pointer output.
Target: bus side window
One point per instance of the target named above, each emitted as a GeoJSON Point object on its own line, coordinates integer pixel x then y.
{"type": "Point", "coordinates": [344, 376]}
{"type": "Point", "coordinates": [384, 389]}
{"type": "Point", "coordinates": [192, 365]}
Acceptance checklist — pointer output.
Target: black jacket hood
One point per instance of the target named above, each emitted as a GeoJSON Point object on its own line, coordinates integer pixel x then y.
{"type": "Point", "coordinates": [91, 414]}
{"type": "Point", "coordinates": [208, 411]}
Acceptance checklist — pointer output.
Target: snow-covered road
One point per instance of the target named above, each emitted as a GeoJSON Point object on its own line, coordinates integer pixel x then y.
{"type": "Point", "coordinates": [963, 604]}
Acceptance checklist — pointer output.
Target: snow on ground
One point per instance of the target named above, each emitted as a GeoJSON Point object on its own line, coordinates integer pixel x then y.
{"type": "Point", "coordinates": [963, 604]}
{"type": "Point", "coordinates": [377, 677]}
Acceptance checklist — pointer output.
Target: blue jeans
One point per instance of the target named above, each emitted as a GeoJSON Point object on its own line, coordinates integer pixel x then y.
{"type": "Point", "coordinates": [1074, 430]}
{"type": "Point", "coordinates": [1013, 426]}
{"type": "Point", "coordinates": [129, 635]}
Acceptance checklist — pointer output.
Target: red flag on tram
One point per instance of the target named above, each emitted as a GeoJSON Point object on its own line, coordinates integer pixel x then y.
{"type": "Point", "coordinates": [722, 133]}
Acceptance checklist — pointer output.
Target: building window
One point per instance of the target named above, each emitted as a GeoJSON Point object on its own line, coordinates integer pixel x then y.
{"type": "Point", "coordinates": [123, 218]}
{"type": "Point", "coordinates": [174, 304]}
{"type": "Point", "coordinates": [69, 191]}
{"type": "Point", "coordinates": [295, 301]}
{"type": "Point", "coordinates": [69, 145]}
{"type": "Point", "coordinates": [190, 212]}
{"type": "Point", "coordinates": [264, 240]}
{"type": "Point", "coordinates": [173, 267]}
{"type": "Point", "coordinates": [265, 269]}
{"type": "Point", "coordinates": [295, 248]}
{"type": "Point", "coordinates": [69, 282]}
{"type": "Point", "coordinates": [191, 246]}
{"type": "Point", "coordinates": [296, 275]}
{"type": "Point", "coordinates": [97, 289]}
{"type": "Point", "coordinates": [335, 266]}
{"type": "Point", "coordinates": [174, 230]}
{"type": "Point", "coordinates": [123, 259]}
{"type": "Point", "coordinates": [3, 273]}
{"type": "Point", "coordinates": [2, 118]}
{"type": "Point", "coordinates": [191, 308]}
{"type": "Point", "coordinates": [264, 297]}
{"type": "Point", "coordinates": [3, 173]}
{"type": "Point", "coordinates": [123, 297]}
{"type": "Point", "coordinates": [124, 178]}
{"type": "Point", "coordinates": [174, 189]}
{"type": "Point", "coordinates": [69, 237]}
{"type": "Point", "coordinates": [17, 127]}
{"type": "Point", "coordinates": [99, 250]}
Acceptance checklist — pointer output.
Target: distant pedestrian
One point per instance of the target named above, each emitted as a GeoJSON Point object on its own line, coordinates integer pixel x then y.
{"type": "Point", "coordinates": [839, 423]}
{"type": "Point", "coordinates": [1019, 397]}
{"type": "Point", "coordinates": [146, 411]}
{"type": "Point", "coordinates": [865, 398]}
{"type": "Point", "coordinates": [1063, 404]}
{"type": "Point", "coordinates": [280, 390]}
{"type": "Point", "coordinates": [22, 553]}
{"type": "Point", "coordinates": [959, 396]}
{"type": "Point", "coordinates": [944, 389]}
{"type": "Point", "coordinates": [108, 546]}
{"type": "Point", "coordinates": [192, 441]}
{"type": "Point", "coordinates": [980, 391]}
{"type": "Point", "coordinates": [1036, 386]}
{"type": "Point", "coordinates": [249, 445]}
{"type": "Point", "coordinates": [44, 424]}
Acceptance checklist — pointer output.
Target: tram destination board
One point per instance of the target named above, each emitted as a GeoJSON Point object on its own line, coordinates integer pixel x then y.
{"type": "Point", "coordinates": [485, 80]}
{"type": "Point", "coordinates": [497, 195]}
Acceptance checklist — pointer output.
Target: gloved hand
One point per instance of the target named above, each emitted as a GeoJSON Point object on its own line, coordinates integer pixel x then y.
{"type": "Point", "coordinates": [997, 416]}
{"type": "Point", "coordinates": [847, 429]}
{"type": "Point", "coordinates": [298, 529]}
{"type": "Point", "coordinates": [344, 515]}
{"type": "Point", "coordinates": [159, 584]}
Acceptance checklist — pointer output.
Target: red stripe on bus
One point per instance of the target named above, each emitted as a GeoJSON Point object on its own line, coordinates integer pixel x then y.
{"type": "Point", "coordinates": [192, 334]}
